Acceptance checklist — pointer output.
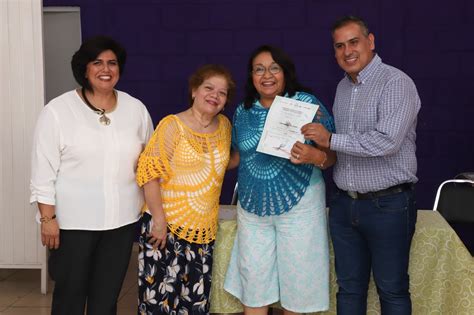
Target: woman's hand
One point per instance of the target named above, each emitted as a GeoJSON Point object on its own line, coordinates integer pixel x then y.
{"type": "Point", "coordinates": [307, 154]}
{"type": "Point", "coordinates": [49, 226]}
{"type": "Point", "coordinates": [302, 153]}
{"type": "Point", "coordinates": [50, 234]}
{"type": "Point", "coordinates": [158, 232]}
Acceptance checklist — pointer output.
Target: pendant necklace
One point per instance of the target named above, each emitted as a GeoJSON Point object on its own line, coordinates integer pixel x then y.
{"type": "Point", "coordinates": [198, 121]}
{"type": "Point", "coordinates": [103, 119]}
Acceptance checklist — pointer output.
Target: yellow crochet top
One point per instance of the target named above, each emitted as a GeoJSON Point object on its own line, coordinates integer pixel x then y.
{"type": "Point", "coordinates": [191, 167]}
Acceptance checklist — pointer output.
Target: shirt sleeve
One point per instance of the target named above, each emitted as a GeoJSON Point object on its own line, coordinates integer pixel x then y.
{"type": "Point", "coordinates": [45, 158]}
{"type": "Point", "coordinates": [155, 160]}
{"type": "Point", "coordinates": [147, 126]}
{"type": "Point", "coordinates": [397, 109]}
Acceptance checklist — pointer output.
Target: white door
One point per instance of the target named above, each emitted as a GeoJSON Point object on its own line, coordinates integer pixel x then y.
{"type": "Point", "coordinates": [62, 38]}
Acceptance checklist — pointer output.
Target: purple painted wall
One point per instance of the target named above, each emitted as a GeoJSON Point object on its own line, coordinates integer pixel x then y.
{"type": "Point", "coordinates": [430, 40]}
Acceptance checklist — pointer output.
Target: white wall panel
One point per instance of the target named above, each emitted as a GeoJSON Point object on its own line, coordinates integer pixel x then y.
{"type": "Point", "coordinates": [21, 99]}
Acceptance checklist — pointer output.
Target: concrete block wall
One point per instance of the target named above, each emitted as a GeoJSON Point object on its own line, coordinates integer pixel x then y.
{"type": "Point", "coordinates": [430, 40]}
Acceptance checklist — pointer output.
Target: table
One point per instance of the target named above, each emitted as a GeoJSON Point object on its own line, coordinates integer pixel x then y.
{"type": "Point", "coordinates": [441, 269]}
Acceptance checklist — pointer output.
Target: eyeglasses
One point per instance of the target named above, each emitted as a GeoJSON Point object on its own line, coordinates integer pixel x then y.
{"type": "Point", "coordinates": [260, 70]}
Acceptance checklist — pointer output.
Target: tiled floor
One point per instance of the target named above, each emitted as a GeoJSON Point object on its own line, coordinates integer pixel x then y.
{"type": "Point", "coordinates": [20, 292]}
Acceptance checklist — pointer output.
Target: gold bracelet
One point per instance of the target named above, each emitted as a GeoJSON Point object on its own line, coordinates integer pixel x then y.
{"type": "Point", "coordinates": [321, 165]}
{"type": "Point", "coordinates": [46, 219]}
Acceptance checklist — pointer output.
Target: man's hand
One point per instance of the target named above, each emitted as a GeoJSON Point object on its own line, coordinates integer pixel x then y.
{"type": "Point", "coordinates": [317, 133]}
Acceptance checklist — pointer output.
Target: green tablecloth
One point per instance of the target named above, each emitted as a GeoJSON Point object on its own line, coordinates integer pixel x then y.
{"type": "Point", "coordinates": [441, 271]}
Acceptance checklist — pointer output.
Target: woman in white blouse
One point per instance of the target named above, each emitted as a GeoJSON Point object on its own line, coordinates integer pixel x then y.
{"type": "Point", "coordinates": [86, 145]}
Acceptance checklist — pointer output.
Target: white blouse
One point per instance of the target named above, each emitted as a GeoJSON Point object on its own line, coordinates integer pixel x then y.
{"type": "Point", "coordinates": [86, 169]}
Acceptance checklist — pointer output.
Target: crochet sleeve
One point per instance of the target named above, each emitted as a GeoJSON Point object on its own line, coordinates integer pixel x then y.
{"type": "Point", "coordinates": [155, 161]}
{"type": "Point", "coordinates": [234, 145]}
{"type": "Point", "coordinates": [326, 119]}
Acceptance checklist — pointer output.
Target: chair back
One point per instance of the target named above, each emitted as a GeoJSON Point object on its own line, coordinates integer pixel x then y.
{"type": "Point", "coordinates": [455, 200]}
{"type": "Point", "coordinates": [465, 175]}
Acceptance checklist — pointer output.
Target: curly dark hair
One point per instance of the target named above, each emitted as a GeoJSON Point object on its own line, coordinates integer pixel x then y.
{"type": "Point", "coordinates": [292, 85]}
{"type": "Point", "coordinates": [89, 51]}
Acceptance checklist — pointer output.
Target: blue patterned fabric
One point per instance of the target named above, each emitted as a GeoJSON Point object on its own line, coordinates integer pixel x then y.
{"type": "Point", "coordinates": [269, 185]}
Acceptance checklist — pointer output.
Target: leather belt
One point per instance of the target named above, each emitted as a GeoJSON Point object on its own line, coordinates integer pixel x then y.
{"type": "Point", "coordinates": [377, 194]}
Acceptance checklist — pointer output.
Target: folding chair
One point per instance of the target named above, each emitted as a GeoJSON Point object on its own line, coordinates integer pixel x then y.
{"type": "Point", "coordinates": [455, 202]}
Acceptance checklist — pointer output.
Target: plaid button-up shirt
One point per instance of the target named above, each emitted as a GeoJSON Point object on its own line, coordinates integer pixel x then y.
{"type": "Point", "coordinates": [375, 123]}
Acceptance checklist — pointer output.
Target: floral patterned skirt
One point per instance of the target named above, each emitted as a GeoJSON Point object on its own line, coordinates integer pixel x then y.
{"type": "Point", "coordinates": [175, 280]}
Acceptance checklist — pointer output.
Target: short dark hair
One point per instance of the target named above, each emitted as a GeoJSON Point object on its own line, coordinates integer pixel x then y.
{"type": "Point", "coordinates": [348, 19]}
{"type": "Point", "coordinates": [89, 51]}
{"type": "Point", "coordinates": [205, 72]}
{"type": "Point", "coordinates": [292, 84]}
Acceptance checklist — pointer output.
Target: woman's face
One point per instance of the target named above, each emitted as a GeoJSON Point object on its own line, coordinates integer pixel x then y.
{"type": "Point", "coordinates": [210, 97]}
{"type": "Point", "coordinates": [103, 72]}
{"type": "Point", "coordinates": [268, 77]}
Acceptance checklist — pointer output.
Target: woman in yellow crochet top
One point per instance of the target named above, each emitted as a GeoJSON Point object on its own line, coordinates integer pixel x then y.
{"type": "Point", "coordinates": [182, 169]}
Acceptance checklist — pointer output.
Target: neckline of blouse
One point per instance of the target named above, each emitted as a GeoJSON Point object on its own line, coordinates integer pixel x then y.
{"type": "Point", "coordinates": [115, 109]}
{"type": "Point", "coordinates": [202, 134]}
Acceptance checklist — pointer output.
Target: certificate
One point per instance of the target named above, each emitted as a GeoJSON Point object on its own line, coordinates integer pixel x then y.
{"type": "Point", "coordinates": [283, 126]}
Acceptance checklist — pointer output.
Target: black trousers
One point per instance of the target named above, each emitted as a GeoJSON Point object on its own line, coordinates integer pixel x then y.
{"type": "Point", "coordinates": [89, 266]}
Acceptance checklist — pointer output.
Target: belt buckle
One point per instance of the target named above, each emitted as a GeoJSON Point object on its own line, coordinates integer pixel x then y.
{"type": "Point", "coordinates": [352, 194]}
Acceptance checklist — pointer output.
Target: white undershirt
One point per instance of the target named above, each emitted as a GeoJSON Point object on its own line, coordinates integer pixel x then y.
{"type": "Point", "coordinates": [86, 169]}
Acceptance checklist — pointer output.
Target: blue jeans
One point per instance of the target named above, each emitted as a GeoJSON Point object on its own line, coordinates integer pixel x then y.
{"type": "Point", "coordinates": [373, 234]}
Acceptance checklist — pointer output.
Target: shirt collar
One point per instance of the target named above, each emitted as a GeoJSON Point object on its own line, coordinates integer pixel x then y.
{"type": "Point", "coordinates": [367, 71]}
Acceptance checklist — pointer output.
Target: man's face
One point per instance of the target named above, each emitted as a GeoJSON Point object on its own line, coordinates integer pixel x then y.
{"type": "Point", "coordinates": [353, 50]}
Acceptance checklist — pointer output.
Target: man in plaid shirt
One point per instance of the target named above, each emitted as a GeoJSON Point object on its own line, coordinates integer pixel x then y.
{"type": "Point", "coordinates": [373, 214]}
